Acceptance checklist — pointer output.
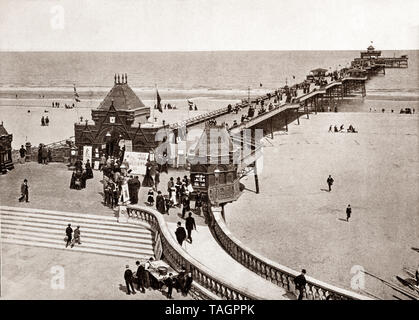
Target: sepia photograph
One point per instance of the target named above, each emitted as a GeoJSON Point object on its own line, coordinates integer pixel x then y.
{"type": "Point", "coordinates": [185, 150]}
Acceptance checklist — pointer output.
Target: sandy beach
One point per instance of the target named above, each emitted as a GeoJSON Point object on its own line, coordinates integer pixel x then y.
{"type": "Point", "coordinates": [26, 126]}
{"type": "Point", "coordinates": [296, 222]}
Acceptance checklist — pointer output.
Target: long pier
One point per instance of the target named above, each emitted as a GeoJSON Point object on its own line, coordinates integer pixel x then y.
{"type": "Point", "coordinates": [274, 110]}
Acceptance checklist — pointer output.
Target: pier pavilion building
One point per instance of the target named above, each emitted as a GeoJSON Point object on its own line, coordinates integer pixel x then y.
{"type": "Point", "coordinates": [120, 119]}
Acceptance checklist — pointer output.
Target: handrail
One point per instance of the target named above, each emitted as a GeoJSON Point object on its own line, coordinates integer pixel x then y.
{"type": "Point", "coordinates": [271, 270]}
{"type": "Point", "coordinates": [178, 257]}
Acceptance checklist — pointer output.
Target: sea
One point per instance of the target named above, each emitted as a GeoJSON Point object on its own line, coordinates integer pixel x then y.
{"type": "Point", "coordinates": [31, 81]}
{"type": "Point", "coordinates": [223, 75]}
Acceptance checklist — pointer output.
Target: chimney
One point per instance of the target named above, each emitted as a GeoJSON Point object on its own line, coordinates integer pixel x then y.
{"type": "Point", "coordinates": [119, 81]}
{"type": "Point", "coordinates": [123, 80]}
{"type": "Point", "coordinates": [114, 77]}
{"type": "Point", "coordinates": [126, 78]}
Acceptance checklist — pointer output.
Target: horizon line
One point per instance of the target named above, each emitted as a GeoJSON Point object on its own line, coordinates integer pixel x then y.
{"type": "Point", "coordinates": [190, 51]}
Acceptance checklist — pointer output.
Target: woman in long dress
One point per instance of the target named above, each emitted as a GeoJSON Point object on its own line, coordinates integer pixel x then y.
{"type": "Point", "coordinates": [148, 179]}
{"type": "Point", "coordinates": [89, 171]}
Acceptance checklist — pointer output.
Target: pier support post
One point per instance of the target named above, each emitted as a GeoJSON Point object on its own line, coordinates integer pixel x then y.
{"type": "Point", "coordinates": [286, 122]}
{"type": "Point", "coordinates": [272, 130]}
{"type": "Point", "coordinates": [298, 117]}
{"type": "Point", "coordinates": [256, 178]}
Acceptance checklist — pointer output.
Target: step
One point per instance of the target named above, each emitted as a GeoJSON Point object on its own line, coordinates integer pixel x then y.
{"type": "Point", "coordinates": [84, 229]}
{"type": "Point", "coordinates": [78, 249]}
{"type": "Point", "coordinates": [90, 235]}
{"type": "Point", "coordinates": [64, 220]}
{"type": "Point", "coordinates": [86, 239]}
{"type": "Point", "coordinates": [57, 213]}
{"type": "Point", "coordinates": [103, 220]}
{"type": "Point", "coordinates": [35, 239]}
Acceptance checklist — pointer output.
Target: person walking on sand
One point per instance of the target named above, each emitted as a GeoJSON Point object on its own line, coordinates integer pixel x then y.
{"type": "Point", "coordinates": [76, 237]}
{"type": "Point", "coordinates": [330, 128]}
{"type": "Point", "coordinates": [190, 225]}
{"type": "Point", "coordinates": [46, 121]}
{"type": "Point", "coordinates": [300, 284]}
{"type": "Point", "coordinates": [69, 233]}
{"type": "Point", "coordinates": [330, 182]}
{"type": "Point", "coordinates": [348, 212]}
{"type": "Point", "coordinates": [24, 191]}
{"type": "Point", "coordinates": [128, 276]}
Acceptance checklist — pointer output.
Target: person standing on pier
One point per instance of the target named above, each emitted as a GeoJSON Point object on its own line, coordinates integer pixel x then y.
{"type": "Point", "coordinates": [190, 225]}
{"type": "Point", "coordinates": [330, 182]}
{"type": "Point", "coordinates": [128, 277]}
{"type": "Point", "coordinates": [180, 233]}
{"type": "Point", "coordinates": [68, 233]}
{"type": "Point", "coordinates": [22, 152]}
{"type": "Point", "coordinates": [24, 191]}
{"type": "Point", "coordinates": [160, 203]}
{"type": "Point", "coordinates": [300, 284]}
{"type": "Point", "coordinates": [348, 212]}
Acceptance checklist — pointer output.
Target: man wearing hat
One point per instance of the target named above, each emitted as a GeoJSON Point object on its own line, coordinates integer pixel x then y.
{"type": "Point", "coordinates": [24, 191]}
{"type": "Point", "coordinates": [128, 276]}
{"type": "Point", "coordinates": [76, 236]}
{"type": "Point", "coordinates": [180, 233]}
{"type": "Point", "coordinates": [69, 233]}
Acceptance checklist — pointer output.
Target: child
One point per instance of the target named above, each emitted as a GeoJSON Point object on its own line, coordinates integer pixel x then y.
{"type": "Point", "coordinates": [150, 198]}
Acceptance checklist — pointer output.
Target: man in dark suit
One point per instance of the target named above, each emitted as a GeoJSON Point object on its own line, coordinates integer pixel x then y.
{"type": "Point", "coordinates": [348, 212]}
{"type": "Point", "coordinates": [190, 225]}
{"type": "Point", "coordinates": [69, 234]}
{"type": "Point", "coordinates": [300, 284]}
{"type": "Point", "coordinates": [186, 203]}
{"type": "Point", "coordinates": [24, 191]}
{"type": "Point", "coordinates": [330, 182]}
{"type": "Point", "coordinates": [140, 276]}
{"type": "Point", "coordinates": [128, 280]}
{"type": "Point", "coordinates": [180, 233]}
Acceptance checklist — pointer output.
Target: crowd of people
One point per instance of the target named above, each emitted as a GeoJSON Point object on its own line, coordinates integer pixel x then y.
{"type": "Point", "coordinates": [81, 175]}
{"type": "Point", "coordinates": [44, 154]}
{"type": "Point", "coordinates": [143, 278]}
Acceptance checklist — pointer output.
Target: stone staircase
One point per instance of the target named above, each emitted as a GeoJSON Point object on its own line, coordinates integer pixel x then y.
{"type": "Point", "coordinates": [99, 234]}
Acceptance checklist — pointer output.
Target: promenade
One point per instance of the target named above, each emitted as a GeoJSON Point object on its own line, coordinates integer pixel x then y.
{"type": "Point", "coordinates": [208, 252]}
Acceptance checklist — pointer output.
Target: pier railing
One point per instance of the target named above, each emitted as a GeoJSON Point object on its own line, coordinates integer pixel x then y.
{"type": "Point", "coordinates": [177, 257]}
{"type": "Point", "coordinates": [272, 271]}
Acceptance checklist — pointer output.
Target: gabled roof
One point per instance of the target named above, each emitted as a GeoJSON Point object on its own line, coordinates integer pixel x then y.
{"type": "Point", "coordinates": [3, 131]}
{"type": "Point", "coordinates": [123, 98]}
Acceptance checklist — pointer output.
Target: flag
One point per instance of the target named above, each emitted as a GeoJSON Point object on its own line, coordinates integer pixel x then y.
{"type": "Point", "coordinates": [158, 101]}
{"type": "Point", "coordinates": [260, 84]}
{"type": "Point", "coordinates": [190, 103]}
{"type": "Point", "coordinates": [293, 77]}
{"type": "Point", "coordinates": [76, 95]}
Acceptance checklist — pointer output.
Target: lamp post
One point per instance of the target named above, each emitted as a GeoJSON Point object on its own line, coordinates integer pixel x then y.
{"type": "Point", "coordinates": [217, 176]}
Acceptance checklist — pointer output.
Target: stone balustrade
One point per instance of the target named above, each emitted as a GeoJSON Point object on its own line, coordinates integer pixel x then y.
{"type": "Point", "coordinates": [270, 270]}
{"type": "Point", "coordinates": [177, 257]}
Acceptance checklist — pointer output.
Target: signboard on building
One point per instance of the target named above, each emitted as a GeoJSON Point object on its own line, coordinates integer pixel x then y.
{"type": "Point", "coordinates": [87, 154]}
{"type": "Point", "coordinates": [136, 161]}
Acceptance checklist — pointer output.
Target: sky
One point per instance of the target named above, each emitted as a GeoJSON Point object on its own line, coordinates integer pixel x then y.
{"type": "Point", "coordinates": [201, 25]}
